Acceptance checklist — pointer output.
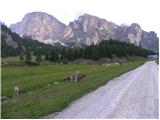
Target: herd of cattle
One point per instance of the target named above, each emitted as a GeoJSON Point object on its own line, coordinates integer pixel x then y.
{"type": "Point", "coordinates": [73, 77]}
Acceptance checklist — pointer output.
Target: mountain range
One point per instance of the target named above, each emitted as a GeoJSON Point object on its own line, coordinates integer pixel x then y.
{"type": "Point", "coordinates": [86, 30]}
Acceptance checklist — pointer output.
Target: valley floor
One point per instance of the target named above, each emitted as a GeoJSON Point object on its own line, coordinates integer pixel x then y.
{"type": "Point", "coordinates": [132, 95]}
{"type": "Point", "coordinates": [40, 95]}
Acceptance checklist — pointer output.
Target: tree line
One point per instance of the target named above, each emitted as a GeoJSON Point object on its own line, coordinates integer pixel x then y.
{"type": "Point", "coordinates": [105, 49]}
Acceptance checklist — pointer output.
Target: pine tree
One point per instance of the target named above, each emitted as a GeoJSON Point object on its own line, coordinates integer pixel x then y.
{"type": "Point", "coordinates": [21, 57]}
{"type": "Point", "coordinates": [53, 55]}
{"type": "Point", "coordinates": [28, 56]}
{"type": "Point", "coordinates": [94, 53]}
{"type": "Point", "coordinates": [46, 56]}
{"type": "Point", "coordinates": [39, 58]}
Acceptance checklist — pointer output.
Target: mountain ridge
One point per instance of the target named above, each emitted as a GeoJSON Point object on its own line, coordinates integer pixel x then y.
{"type": "Point", "coordinates": [86, 30]}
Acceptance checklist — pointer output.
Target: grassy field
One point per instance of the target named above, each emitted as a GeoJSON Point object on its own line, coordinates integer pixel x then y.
{"type": "Point", "coordinates": [40, 96]}
{"type": "Point", "coordinates": [157, 60]}
{"type": "Point", "coordinates": [15, 61]}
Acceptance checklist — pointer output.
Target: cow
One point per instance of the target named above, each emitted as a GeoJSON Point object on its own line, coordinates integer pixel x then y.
{"type": "Point", "coordinates": [16, 91]}
{"type": "Point", "coordinates": [79, 76]}
{"type": "Point", "coordinates": [70, 77]}
{"type": "Point", "coordinates": [76, 77]}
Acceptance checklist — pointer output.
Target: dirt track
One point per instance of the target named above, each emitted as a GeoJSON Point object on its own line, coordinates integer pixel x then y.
{"type": "Point", "coordinates": [132, 95]}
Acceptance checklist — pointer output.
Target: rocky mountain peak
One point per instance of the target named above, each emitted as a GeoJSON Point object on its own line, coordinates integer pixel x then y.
{"type": "Point", "coordinates": [40, 26]}
{"type": "Point", "coordinates": [87, 17]}
{"type": "Point", "coordinates": [90, 21]}
{"type": "Point", "coordinates": [135, 25]}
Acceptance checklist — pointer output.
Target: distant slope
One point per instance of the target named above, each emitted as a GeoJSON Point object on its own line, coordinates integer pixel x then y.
{"type": "Point", "coordinates": [12, 44]}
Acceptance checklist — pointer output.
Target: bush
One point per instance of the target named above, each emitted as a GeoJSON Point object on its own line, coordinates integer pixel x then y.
{"type": "Point", "coordinates": [64, 61]}
{"type": "Point", "coordinates": [32, 63]}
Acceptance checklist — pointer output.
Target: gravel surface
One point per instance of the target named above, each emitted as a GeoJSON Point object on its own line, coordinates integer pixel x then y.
{"type": "Point", "coordinates": [132, 95]}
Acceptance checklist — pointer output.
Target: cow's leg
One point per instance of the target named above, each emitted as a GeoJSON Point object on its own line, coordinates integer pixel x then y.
{"type": "Point", "coordinates": [71, 78]}
{"type": "Point", "coordinates": [14, 94]}
{"type": "Point", "coordinates": [76, 79]}
{"type": "Point", "coordinates": [17, 93]}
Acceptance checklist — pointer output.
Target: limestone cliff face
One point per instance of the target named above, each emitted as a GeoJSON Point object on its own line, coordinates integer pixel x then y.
{"type": "Point", "coordinates": [134, 34]}
{"type": "Point", "coordinates": [90, 29]}
{"type": "Point", "coordinates": [86, 30]}
{"type": "Point", "coordinates": [7, 38]}
{"type": "Point", "coordinates": [40, 26]}
{"type": "Point", "coordinates": [150, 41]}
{"type": "Point", "coordinates": [131, 34]}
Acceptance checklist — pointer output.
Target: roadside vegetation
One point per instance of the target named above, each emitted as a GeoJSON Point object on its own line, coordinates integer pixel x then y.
{"type": "Point", "coordinates": [157, 61]}
{"type": "Point", "coordinates": [41, 96]}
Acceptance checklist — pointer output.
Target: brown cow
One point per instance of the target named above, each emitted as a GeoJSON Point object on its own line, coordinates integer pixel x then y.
{"type": "Point", "coordinates": [70, 77]}
{"type": "Point", "coordinates": [76, 77]}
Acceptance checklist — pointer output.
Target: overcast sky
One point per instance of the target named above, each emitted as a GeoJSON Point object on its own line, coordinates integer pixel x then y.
{"type": "Point", "coordinates": [144, 12]}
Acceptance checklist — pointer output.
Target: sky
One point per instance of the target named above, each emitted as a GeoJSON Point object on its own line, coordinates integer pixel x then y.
{"type": "Point", "coordinates": [144, 12]}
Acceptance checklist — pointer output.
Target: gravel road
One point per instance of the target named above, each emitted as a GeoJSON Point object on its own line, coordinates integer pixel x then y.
{"type": "Point", "coordinates": [132, 95]}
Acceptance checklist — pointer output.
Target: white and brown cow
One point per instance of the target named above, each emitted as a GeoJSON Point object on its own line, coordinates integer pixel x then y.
{"type": "Point", "coordinates": [16, 91]}
{"type": "Point", "coordinates": [76, 77]}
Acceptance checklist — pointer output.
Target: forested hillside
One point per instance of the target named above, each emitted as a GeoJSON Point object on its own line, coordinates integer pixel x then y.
{"type": "Point", "coordinates": [12, 44]}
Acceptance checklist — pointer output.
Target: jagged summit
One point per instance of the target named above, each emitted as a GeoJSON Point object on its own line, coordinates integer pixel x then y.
{"type": "Point", "coordinates": [87, 29]}
{"type": "Point", "coordinates": [40, 26]}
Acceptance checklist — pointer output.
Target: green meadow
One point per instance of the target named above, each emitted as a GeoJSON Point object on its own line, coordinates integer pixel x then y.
{"type": "Point", "coordinates": [40, 95]}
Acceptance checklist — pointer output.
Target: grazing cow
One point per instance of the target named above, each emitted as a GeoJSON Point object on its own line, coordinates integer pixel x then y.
{"type": "Point", "coordinates": [16, 91]}
{"type": "Point", "coordinates": [81, 76]}
{"type": "Point", "coordinates": [69, 77]}
{"type": "Point", "coordinates": [76, 77]}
